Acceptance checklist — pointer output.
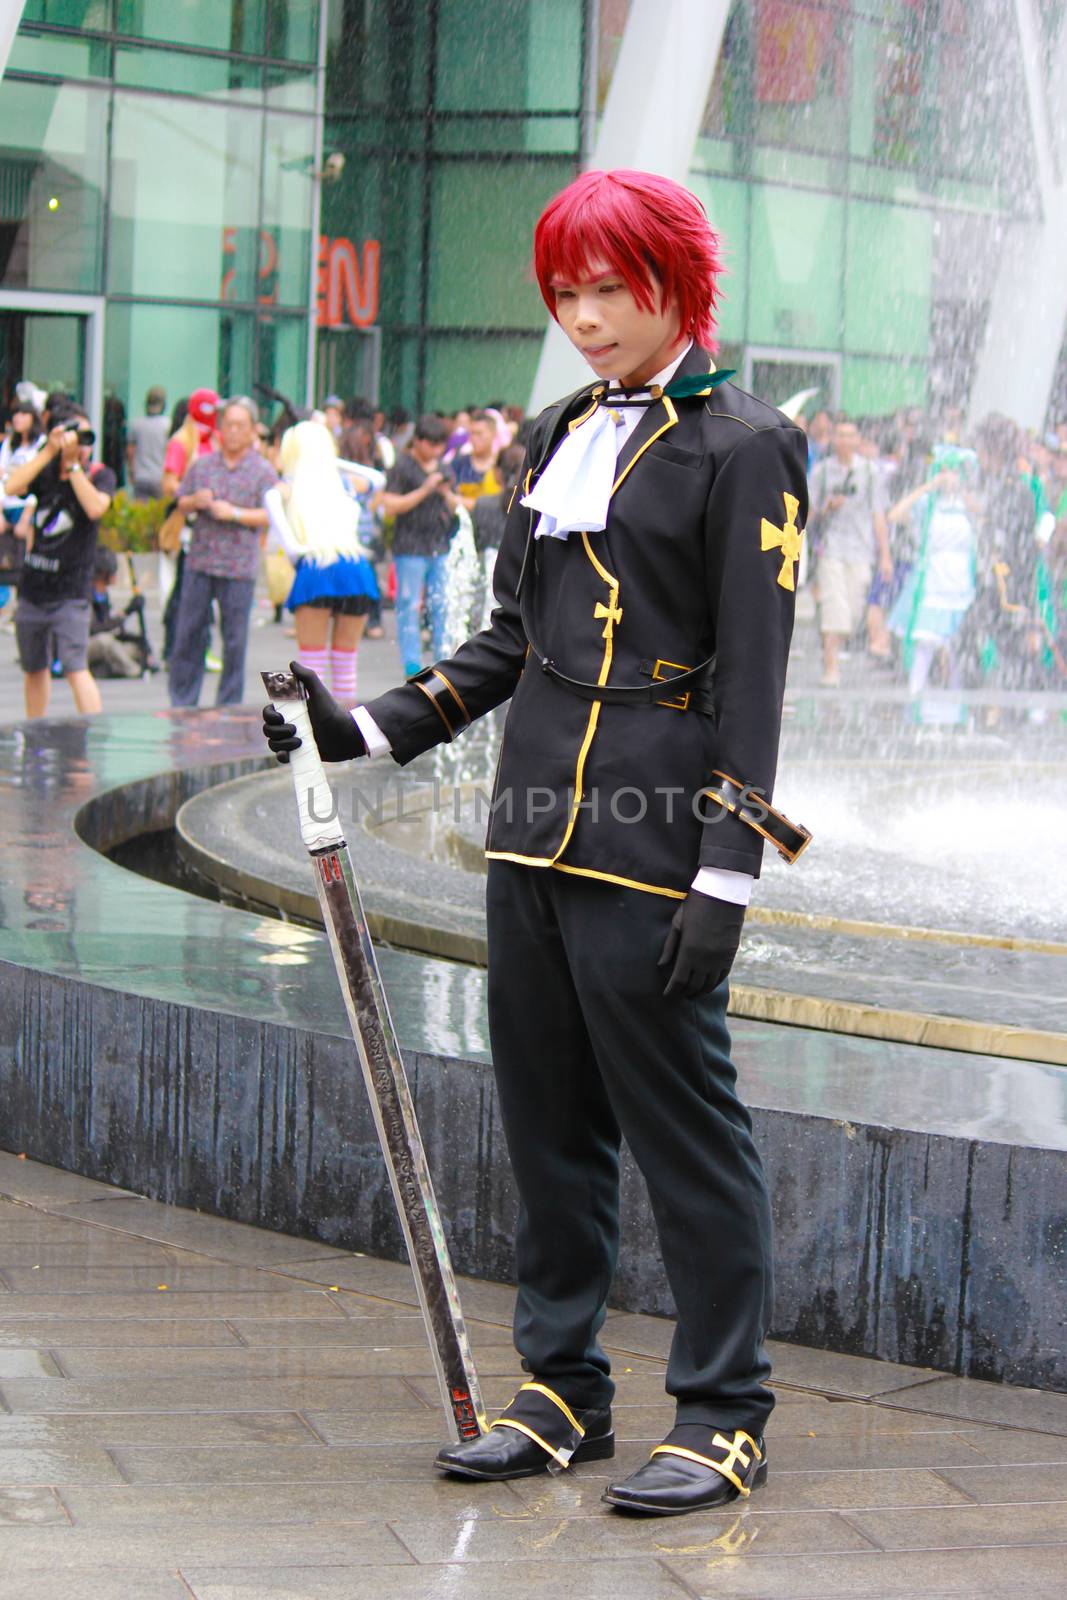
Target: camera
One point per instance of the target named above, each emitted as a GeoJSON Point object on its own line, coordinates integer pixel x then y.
{"type": "Point", "coordinates": [86, 436]}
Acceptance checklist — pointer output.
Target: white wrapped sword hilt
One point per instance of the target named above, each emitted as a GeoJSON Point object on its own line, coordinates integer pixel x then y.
{"type": "Point", "coordinates": [320, 826]}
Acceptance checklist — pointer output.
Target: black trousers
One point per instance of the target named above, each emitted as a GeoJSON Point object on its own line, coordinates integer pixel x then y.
{"type": "Point", "coordinates": [586, 1049]}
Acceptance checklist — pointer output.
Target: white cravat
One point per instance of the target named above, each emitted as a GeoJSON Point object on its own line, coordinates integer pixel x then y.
{"type": "Point", "coordinates": [574, 491]}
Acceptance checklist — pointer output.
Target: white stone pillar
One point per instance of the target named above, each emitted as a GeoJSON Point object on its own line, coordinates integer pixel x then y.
{"type": "Point", "coordinates": [1028, 307]}
{"type": "Point", "coordinates": [651, 120]}
{"type": "Point", "coordinates": [10, 17]}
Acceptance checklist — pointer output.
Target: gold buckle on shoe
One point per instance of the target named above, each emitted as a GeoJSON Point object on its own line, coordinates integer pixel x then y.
{"type": "Point", "coordinates": [521, 1427]}
{"type": "Point", "coordinates": [735, 1456]}
{"type": "Point", "coordinates": [560, 1455]}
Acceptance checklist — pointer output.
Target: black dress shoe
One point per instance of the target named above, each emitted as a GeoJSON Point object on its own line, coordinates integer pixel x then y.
{"type": "Point", "coordinates": [695, 1469]}
{"type": "Point", "coordinates": [537, 1433]}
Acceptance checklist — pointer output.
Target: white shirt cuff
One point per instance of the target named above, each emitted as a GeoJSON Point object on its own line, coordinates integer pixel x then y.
{"type": "Point", "coordinates": [723, 885]}
{"type": "Point", "coordinates": [376, 742]}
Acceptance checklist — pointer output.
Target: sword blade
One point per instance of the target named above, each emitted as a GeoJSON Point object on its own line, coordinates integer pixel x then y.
{"type": "Point", "coordinates": [382, 1066]}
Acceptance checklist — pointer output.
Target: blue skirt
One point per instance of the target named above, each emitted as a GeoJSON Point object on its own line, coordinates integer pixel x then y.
{"type": "Point", "coordinates": [337, 585]}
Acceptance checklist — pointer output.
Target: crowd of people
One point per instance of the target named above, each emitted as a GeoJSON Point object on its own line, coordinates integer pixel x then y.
{"type": "Point", "coordinates": [942, 555]}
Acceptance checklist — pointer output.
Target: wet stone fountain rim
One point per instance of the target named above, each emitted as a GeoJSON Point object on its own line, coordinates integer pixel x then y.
{"type": "Point", "coordinates": [999, 996]}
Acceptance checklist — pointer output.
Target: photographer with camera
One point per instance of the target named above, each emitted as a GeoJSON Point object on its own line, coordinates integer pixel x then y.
{"type": "Point", "coordinates": [52, 617]}
{"type": "Point", "coordinates": [848, 518]}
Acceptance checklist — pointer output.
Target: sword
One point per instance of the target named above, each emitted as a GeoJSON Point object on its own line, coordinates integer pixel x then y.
{"type": "Point", "coordinates": [383, 1069]}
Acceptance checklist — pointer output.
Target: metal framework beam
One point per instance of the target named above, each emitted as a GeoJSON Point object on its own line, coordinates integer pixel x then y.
{"type": "Point", "coordinates": [651, 120]}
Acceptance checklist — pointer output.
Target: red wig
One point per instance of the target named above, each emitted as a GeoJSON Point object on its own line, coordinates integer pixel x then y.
{"type": "Point", "coordinates": [644, 227]}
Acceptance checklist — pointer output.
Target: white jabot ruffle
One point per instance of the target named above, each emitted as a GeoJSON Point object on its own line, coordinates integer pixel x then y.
{"type": "Point", "coordinates": [573, 492]}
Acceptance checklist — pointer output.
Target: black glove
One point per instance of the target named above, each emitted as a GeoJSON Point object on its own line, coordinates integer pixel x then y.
{"type": "Point", "coordinates": [136, 604]}
{"type": "Point", "coordinates": [701, 944]}
{"type": "Point", "coordinates": [334, 728]}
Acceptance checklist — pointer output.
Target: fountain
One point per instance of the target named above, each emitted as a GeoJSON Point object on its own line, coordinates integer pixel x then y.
{"type": "Point", "coordinates": [898, 1007]}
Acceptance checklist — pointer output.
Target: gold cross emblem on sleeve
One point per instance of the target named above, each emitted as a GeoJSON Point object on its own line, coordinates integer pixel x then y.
{"type": "Point", "coordinates": [787, 538]}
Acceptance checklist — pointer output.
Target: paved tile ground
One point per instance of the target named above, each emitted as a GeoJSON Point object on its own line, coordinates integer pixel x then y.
{"type": "Point", "coordinates": [189, 1407]}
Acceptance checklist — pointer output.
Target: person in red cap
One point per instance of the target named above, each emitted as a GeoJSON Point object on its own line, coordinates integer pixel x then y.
{"type": "Point", "coordinates": [645, 590]}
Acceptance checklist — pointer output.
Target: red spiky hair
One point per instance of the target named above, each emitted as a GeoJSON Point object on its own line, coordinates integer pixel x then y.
{"type": "Point", "coordinates": [645, 228]}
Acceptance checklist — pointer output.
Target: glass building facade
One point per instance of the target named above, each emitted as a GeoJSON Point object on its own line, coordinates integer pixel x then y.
{"type": "Point", "coordinates": [458, 119]}
{"type": "Point", "coordinates": [157, 194]}
{"type": "Point", "coordinates": [174, 168]}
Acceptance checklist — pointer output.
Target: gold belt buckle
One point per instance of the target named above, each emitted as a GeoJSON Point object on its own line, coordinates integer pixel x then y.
{"type": "Point", "coordinates": [681, 701]}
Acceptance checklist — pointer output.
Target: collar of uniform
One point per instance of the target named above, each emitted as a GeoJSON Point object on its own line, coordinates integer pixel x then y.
{"type": "Point", "coordinates": [661, 414]}
{"type": "Point", "coordinates": [660, 381]}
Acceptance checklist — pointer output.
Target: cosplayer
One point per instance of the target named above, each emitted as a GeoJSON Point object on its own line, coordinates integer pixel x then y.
{"type": "Point", "coordinates": [314, 520]}
{"type": "Point", "coordinates": [941, 586]}
{"type": "Point", "coordinates": [645, 590]}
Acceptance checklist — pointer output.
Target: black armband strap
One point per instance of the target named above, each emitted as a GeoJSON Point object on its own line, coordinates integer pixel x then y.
{"type": "Point", "coordinates": [444, 698]}
{"type": "Point", "coordinates": [790, 839]}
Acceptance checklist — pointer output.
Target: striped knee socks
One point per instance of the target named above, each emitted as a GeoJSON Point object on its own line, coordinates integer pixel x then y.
{"type": "Point", "coordinates": [314, 660]}
{"type": "Point", "coordinates": [343, 675]}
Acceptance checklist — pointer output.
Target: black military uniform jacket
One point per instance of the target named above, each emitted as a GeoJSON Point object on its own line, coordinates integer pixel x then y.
{"type": "Point", "coordinates": [697, 560]}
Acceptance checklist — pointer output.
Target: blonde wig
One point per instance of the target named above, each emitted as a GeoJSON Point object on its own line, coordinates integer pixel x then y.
{"type": "Point", "coordinates": [321, 515]}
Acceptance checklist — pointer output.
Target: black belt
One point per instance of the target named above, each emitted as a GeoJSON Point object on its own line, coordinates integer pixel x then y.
{"type": "Point", "coordinates": [684, 691]}
{"type": "Point", "coordinates": [687, 689]}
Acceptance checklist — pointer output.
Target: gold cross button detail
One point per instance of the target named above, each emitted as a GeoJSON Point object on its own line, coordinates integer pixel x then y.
{"type": "Point", "coordinates": [612, 613]}
{"type": "Point", "coordinates": [787, 539]}
{"type": "Point", "coordinates": [736, 1447]}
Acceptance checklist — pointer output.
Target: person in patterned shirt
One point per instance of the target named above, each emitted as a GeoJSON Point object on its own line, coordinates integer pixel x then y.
{"type": "Point", "coordinates": [225, 490]}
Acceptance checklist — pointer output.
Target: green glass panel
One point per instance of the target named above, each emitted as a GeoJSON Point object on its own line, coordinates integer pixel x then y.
{"type": "Point", "coordinates": [60, 56]}
{"type": "Point", "coordinates": [52, 164]}
{"type": "Point", "coordinates": [180, 347]}
{"type": "Point", "coordinates": [867, 45]}
{"type": "Point", "coordinates": [887, 285]}
{"type": "Point", "coordinates": [282, 355]}
{"type": "Point", "coordinates": [797, 167]}
{"type": "Point", "coordinates": [146, 67]}
{"type": "Point", "coordinates": [293, 29]}
{"type": "Point", "coordinates": [506, 134]}
{"type": "Point", "coordinates": [795, 268]}
{"type": "Point", "coordinates": [398, 376]}
{"type": "Point", "coordinates": [185, 199]}
{"type": "Point", "coordinates": [714, 155]}
{"type": "Point", "coordinates": [378, 55]}
{"type": "Point", "coordinates": [554, 55]}
{"type": "Point", "coordinates": [70, 13]}
{"type": "Point", "coordinates": [391, 136]}
{"type": "Point", "coordinates": [288, 196]}
{"type": "Point", "coordinates": [508, 55]}
{"type": "Point", "coordinates": [875, 388]}
{"type": "Point", "coordinates": [481, 242]}
{"type": "Point", "coordinates": [726, 202]}
{"type": "Point", "coordinates": [217, 25]}
{"type": "Point", "coordinates": [290, 89]}
{"type": "Point", "coordinates": [464, 370]}
{"type": "Point", "coordinates": [867, 179]}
